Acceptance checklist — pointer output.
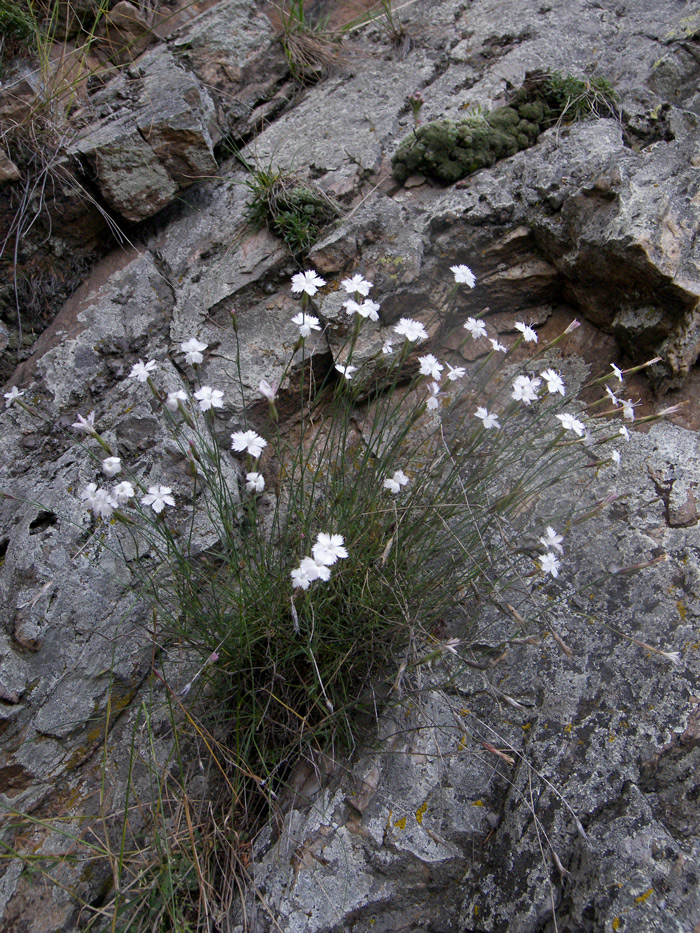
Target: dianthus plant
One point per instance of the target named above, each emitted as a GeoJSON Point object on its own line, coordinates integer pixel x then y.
{"type": "Point", "coordinates": [313, 557]}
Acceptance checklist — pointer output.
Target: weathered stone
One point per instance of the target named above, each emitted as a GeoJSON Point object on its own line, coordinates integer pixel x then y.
{"type": "Point", "coordinates": [8, 170]}
{"type": "Point", "coordinates": [125, 34]}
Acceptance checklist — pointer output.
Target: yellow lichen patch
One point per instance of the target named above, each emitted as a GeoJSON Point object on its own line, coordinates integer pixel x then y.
{"type": "Point", "coordinates": [682, 609]}
{"type": "Point", "coordinates": [478, 803]}
{"type": "Point", "coordinates": [568, 728]}
{"type": "Point", "coordinates": [462, 743]}
{"type": "Point", "coordinates": [420, 811]}
{"type": "Point", "coordinates": [616, 923]}
{"type": "Point", "coordinates": [400, 824]}
{"type": "Point", "coordinates": [643, 897]}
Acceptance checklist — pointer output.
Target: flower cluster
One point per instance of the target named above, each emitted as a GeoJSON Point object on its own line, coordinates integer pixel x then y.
{"type": "Point", "coordinates": [549, 562]}
{"type": "Point", "coordinates": [327, 550]}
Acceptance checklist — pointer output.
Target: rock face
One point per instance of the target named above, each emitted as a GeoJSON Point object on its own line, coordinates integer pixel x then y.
{"type": "Point", "coordinates": [559, 782]}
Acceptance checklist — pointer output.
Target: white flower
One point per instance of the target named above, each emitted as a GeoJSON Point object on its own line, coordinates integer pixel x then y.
{"type": "Point", "coordinates": [617, 372]}
{"type": "Point", "coordinates": [99, 500]}
{"type": "Point", "coordinates": [611, 395]}
{"type": "Point", "coordinates": [346, 371]}
{"type": "Point", "coordinates": [387, 348]}
{"type": "Point", "coordinates": [141, 371]}
{"type": "Point", "coordinates": [624, 432]}
{"type": "Point", "coordinates": [192, 349]}
{"type": "Point", "coordinates": [306, 323]}
{"type": "Point", "coordinates": [476, 328]}
{"type": "Point", "coordinates": [351, 307]}
{"type": "Point", "coordinates": [171, 402]}
{"type": "Point", "coordinates": [308, 571]}
{"type": "Point", "coordinates": [429, 366]}
{"type": "Point", "coordinates": [87, 425]}
{"type": "Point", "coordinates": [498, 346]}
{"type": "Point", "coordinates": [158, 497]}
{"type": "Point", "coordinates": [569, 423]}
{"type": "Point", "coordinates": [300, 578]}
{"type": "Point", "coordinates": [328, 549]}
{"type": "Point", "coordinates": [455, 372]}
{"type": "Point", "coordinates": [308, 282]}
{"type": "Point", "coordinates": [527, 332]}
{"type": "Point", "coordinates": [123, 492]}
{"type": "Point", "coordinates": [554, 382]}
{"type": "Point", "coordinates": [525, 389]}
{"type": "Point", "coordinates": [549, 563]}
{"type": "Point", "coordinates": [410, 329]}
{"type": "Point", "coordinates": [463, 275]}
{"type": "Point", "coordinates": [267, 391]}
{"type": "Point", "coordinates": [490, 420]}
{"type": "Point", "coordinates": [398, 480]}
{"type": "Point", "coordinates": [357, 285]}
{"type": "Point", "coordinates": [628, 409]}
{"type": "Point", "coordinates": [209, 398]}
{"type": "Point", "coordinates": [615, 456]}
{"type": "Point", "coordinates": [254, 482]}
{"type": "Point", "coordinates": [111, 466]}
{"type": "Point", "coordinates": [432, 403]}
{"type": "Point", "coordinates": [369, 309]}
{"type": "Point", "coordinates": [552, 541]}
{"type": "Point", "coordinates": [13, 394]}
{"type": "Point", "coordinates": [249, 441]}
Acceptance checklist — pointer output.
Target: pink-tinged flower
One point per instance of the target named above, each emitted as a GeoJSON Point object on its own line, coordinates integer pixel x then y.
{"type": "Point", "coordinates": [346, 371]}
{"type": "Point", "coordinates": [13, 395]}
{"type": "Point", "coordinates": [552, 541]}
{"type": "Point", "coordinates": [192, 349]}
{"type": "Point", "coordinates": [554, 382]}
{"type": "Point", "coordinates": [550, 564]}
{"type": "Point", "coordinates": [254, 482]}
{"type": "Point", "coordinates": [171, 402]}
{"type": "Point", "coordinates": [429, 366]}
{"type": "Point", "coordinates": [476, 328]}
{"type": "Point", "coordinates": [158, 497]}
{"type": "Point", "coordinates": [306, 323]}
{"type": "Point", "coordinates": [525, 389]}
{"type": "Point", "coordinates": [328, 548]}
{"type": "Point", "coordinates": [455, 372]}
{"type": "Point", "coordinates": [249, 441]}
{"type": "Point", "coordinates": [569, 423]}
{"type": "Point", "coordinates": [394, 483]}
{"type": "Point", "coordinates": [527, 332]}
{"type": "Point", "coordinates": [357, 286]}
{"type": "Point", "coordinates": [308, 282]}
{"type": "Point", "coordinates": [267, 391]}
{"type": "Point", "coordinates": [141, 371]}
{"type": "Point", "coordinates": [433, 403]}
{"type": "Point", "coordinates": [209, 398]}
{"type": "Point", "coordinates": [489, 420]}
{"type": "Point", "coordinates": [111, 466]}
{"type": "Point", "coordinates": [463, 275]}
{"type": "Point", "coordinates": [617, 372]}
{"type": "Point", "coordinates": [123, 491]}
{"type": "Point", "coordinates": [410, 329]}
{"type": "Point", "coordinates": [498, 346]}
{"type": "Point", "coordinates": [86, 425]}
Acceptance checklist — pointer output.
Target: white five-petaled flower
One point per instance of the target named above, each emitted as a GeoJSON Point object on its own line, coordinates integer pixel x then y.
{"type": "Point", "coordinates": [192, 349]}
{"type": "Point", "coordinates": [308, 571]}
{"type": "Point", "coordinates": [628, 409]}
{"type": "Point", "coordinates": [498, 346]}
{"type": "Point", "coordinates": [455, 372]}
{"type": "Point", "coordinates": [209, 398]}
{"type": "Point", "coordinates": [111, 466]}
{"type": "Point", "coordinates": [346, 371]}
{"type": "Point", "coordinates": [328, 548]}
{"type": "Point", "coordinates": [123, 492]}
{"type": "Point", "coordinates": [171, 402]}
{"type": "Point", "coordinates": [308, 282]}
{"type": "Point", "coordinates": [432, 403]}
{"type": "Point", "coordinates": [569, 423]}
{"type": "Point", "coordinates": [357, 285]}
{"type": "Point", "coordinates": [476, 328]}
{"type": "Point", "coordinates": [394, 483]}
{"type": "Point", "coordinates": [624, 432]}
{"type": "Point", "coordinates": [158, 497]}
{"type": "Point", "coordinates": [552, 541]}
{"type": "Point", "coordinates": [410, 329]}
{"type": "Point", "coordinates": [369, 309]}
{"type": "Point", "coordinates": [463, 275]}
{"type": "Point", "coordinates": [306, 323]}
{"type": "Point", "coordinates": [429, 366]}
{"type": "Point", "coordinates": [141, 371]}
{"type": "Point", "coordinates": [249, 441]}
{"type": "Point", "coordinates": [525, 389]}
{"type": "Point", "coordinates": [527, 332]}
{"type": "Point", "coordinates": [611, 395]}
{"type": "Point", "coordinates": [387, 348]}
{"type": "Point", "coordinates": [13, 394]}
{"type": "Point", "coordinates": [550, 563]}
{"type": "Point", "coordinates": [87, 425]}
{"type": "Point", "coordinates": [267, 391]}
{"type": "Point", "coordinates": [489, 420]}
{"type": "Point", "coordinates": [100, 501]}
{"type": "Point", "coordinates": [617, 372]}
{"type": "Point", "coordinates": [554, 382]}
{"type": "Point", "coordinates": [254, 482]}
